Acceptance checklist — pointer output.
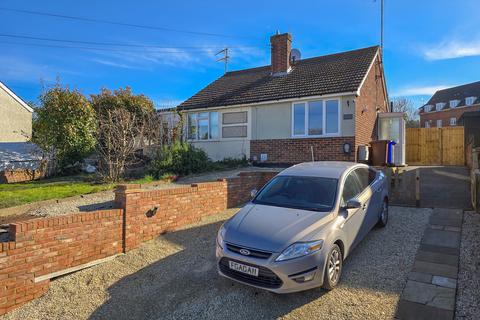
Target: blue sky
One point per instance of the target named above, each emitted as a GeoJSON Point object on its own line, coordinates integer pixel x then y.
{"type": "Point", "coordinates": [428, 44]}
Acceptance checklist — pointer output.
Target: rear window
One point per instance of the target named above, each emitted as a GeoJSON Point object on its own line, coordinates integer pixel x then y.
{"type": "Point", "coordinates": [307, 193]}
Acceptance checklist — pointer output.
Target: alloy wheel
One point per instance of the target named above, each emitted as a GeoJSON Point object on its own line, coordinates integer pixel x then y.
{"type": "Point", "coordinates": [384, 215]}
{"type": "Point", "coordinates": [334, 266]}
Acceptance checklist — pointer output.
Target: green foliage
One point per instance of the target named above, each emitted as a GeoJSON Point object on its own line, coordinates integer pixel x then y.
{"type": "Point", "coordinates": [179, 158]}
{"type": "Point", "coordinates": [107, 100]}
{"type": "Point", "coordinates": [231, 163]}
{"type": "Point", "coordinates": [64, 126]}
{"type": "Point", "coordinates": [183, 159]}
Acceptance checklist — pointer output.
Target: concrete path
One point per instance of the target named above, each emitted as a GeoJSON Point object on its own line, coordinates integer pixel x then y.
{"type": "Point", "coordinates": [431, 286]}
{"type": "Point", "coordinates": [439, 187]}
{"type": "Point", "coordinates": [445, 187]}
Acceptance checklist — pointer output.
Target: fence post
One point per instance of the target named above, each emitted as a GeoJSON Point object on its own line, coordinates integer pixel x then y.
{"type": "Point", "coordinates": [417, 187]}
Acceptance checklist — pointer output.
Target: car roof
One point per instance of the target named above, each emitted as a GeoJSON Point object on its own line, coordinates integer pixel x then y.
{"type": "Point", "coordinates": [325, 169]}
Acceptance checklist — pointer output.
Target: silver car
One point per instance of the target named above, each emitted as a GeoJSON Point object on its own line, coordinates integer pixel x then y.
{"type": "Point", "coordinates": [299, 228]}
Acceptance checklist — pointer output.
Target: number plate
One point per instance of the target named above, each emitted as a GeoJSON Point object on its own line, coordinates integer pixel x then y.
{"type": "Point", "coordinates": [243, 268]}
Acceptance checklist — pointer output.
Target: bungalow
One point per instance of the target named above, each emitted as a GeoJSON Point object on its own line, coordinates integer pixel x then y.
{"type": "Point", "coordinates": [446, 106]}
{"type": "Point", "coordinates": [15, 117]}
{"type": "Point", "coordinates": [292, 110]}
{"type": "Point", "coordinates": [19, 159]}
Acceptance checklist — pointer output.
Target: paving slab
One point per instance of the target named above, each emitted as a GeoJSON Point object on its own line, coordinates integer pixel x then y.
{"type": "Point", "coordinates": [416, 311]}
{"type": "Point", "coordinates": [420, 277]}
{"type": "Point", "coordinates": [430, 291]}
{"type": "Point", "coordinates": [441, 238]}
{"type": "Point", "coordinates": [439, 249]}
{"type": "Point", "coordinates": [444, 282]}
{"type": "Point", "coordinates": [429, 294]}
{"type": "Point", "coordinates": [437, 257]}
{"type": "Point", "coordinates": [450, 222]}
{"type": "Point", "coordinates": [435, 269]}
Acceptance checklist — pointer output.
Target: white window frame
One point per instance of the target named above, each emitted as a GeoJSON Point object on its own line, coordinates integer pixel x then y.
{"type": "Point", "coordinates": [209, 121]}
{"type": "Point", "coordinates": [427, 108]}
{"type": "Point", "coordinates": [453, 121]}
{"type": "Point", "coordinates": [454, 103]}
{"type": "Point", "coordinates": [427, 124]}
{"type": "Point", "coordinates": [439, 106]}
{"type": "Point", "coordinates": [441, 123]}
{"type": "Point", "coordinates": [470, 100]}
{"type": "Point", "coordinates": [233, 125]}
{"type": "Point", "coordinates": [324, 119]}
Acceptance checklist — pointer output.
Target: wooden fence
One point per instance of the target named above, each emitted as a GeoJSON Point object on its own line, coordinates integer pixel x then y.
{"type": "Point", "coordinates": [435, 146]}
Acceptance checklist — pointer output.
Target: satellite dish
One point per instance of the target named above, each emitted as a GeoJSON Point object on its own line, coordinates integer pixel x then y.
{"type": "Point", "coordinates": [295, 55]}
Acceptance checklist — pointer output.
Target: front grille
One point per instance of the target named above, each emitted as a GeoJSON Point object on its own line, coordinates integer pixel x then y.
{"type": "Point", "coordinates": [253, 252]}
{"type": "Point", "coordinates": [266, 278]}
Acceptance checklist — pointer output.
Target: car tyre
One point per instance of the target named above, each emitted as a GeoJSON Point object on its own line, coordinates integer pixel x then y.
{"type": "Point", "coordinates": [333, 269]}
{"type": "Point", "coordinates": [383, 217]}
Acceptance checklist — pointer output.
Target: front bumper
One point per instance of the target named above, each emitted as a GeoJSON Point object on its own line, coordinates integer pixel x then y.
{"type": "Point", "coordinates": [279, 277]}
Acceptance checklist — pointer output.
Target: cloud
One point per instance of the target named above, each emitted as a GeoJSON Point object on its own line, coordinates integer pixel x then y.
{"type": "Point", "coordinates": [145, 60]}
{"type": "Point", "coordinates": [419, 90]}
{"type": "Point", "coordinates": [112, 63]}
{"type": "Point", "coordinates": [452, 49]}
{"type": "Point", "coordinates": [17, 69]}
{"type": "Point", "coordinates": [188, 58]}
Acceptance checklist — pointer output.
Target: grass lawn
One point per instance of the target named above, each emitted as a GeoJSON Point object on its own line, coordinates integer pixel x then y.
{"type": "Point", "coordinates": [15, 194]}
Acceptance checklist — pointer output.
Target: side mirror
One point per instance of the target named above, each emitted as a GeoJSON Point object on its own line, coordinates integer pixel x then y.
{"type": "Point", "coordinates": [353, 204]}
{"type": "Point", "coordinates": [253, 193]}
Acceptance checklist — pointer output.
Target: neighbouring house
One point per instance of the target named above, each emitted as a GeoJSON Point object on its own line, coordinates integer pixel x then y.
{"type": "Point", "coordinates": [292, 109]}
{"type": "Point", "coordinates": [20, 160]}
{"type": "Point", "coordinates": [446, 106]}
{"type": "Point", "coordinates": [15, 117]}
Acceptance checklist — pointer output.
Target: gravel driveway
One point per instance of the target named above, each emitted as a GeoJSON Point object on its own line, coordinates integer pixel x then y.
{"type": "Point", "coordinates": [174, 277]}
{"type": "Point", "coordinates": [468, 292]}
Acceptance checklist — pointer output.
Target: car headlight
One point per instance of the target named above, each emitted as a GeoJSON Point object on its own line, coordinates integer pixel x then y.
{"type": "Point", "coordinates": [220, 236]}
{"type": "Point", "coordinates": [300, 249]}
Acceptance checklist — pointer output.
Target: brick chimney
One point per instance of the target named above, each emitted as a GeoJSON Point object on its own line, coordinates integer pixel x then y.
{"type": "Point", "coordinates": [281, 46]}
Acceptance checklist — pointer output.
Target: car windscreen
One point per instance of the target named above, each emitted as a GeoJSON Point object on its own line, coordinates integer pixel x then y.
{"type": "Point", "coordinates": [307, 193]}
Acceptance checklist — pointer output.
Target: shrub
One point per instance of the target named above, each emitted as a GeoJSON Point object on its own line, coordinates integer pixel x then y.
{"type": "Point", "coordinates": [64, 127]}
{"type": "Point", "coordinates": [180, 158]}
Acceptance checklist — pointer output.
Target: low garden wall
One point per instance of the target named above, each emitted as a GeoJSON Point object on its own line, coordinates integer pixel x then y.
{"type": "Point", "coordinates": [20, 175]}
{"type": "Point", "coordinates": [43, 248]}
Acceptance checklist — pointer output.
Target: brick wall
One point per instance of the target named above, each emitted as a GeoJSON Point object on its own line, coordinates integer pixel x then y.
{"type": "Point", "coordinates": [372, 96]}
{"type": "Point", "coordinates": [46, 245]}
{"type": "Point", "coordinates": [41, 247]}
{"type": "Point", "coordinates": [291, 151]}
{"type": "Point", "coordinates": [20, 175]}
{"type": "Point", "coordinates": [445, 115]}
{"type": "Point", "coordinates": [153, 212]}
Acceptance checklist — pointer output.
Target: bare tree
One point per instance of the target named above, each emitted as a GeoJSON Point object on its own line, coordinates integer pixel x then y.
{"type": "Point", "coordinates": [407, 106]}
{"type": "Point", "coordinates": [116, 142]}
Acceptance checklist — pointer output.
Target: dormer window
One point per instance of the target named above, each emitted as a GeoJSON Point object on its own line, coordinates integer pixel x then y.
{"type": "Point", "coordinates": [454, 103]}
{"type": "Point", "coordinates": [470, 100]}
{"type": "Point", "coordinates": [427, 108]}
{"type": "Point", "coordinates": [439, 106]}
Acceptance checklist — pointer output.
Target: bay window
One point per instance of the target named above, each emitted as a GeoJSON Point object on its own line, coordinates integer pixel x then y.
{"type": "Point", "coordinates": [202, 126]}
{"type": "Point", "coordinates": [316, 118]}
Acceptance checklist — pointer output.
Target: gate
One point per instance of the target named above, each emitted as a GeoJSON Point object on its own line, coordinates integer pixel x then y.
{"type": "Point", "coordinates": [435, 146]}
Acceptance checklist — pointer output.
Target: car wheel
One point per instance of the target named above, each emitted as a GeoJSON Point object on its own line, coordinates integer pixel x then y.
{"type": "Point", "coordinates": [383, 218]}
{"type": "Point", "coordinates": [333, 269]}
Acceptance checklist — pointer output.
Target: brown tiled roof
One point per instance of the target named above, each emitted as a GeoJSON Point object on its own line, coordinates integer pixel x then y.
{"type": "Point", "coordinates": [330, 74]}
{"type": "Point", "coordinates": [455, 93]}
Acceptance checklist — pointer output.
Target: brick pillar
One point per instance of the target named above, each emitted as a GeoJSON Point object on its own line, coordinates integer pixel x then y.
{"type": "Point", "coordinates": [127, 197]}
